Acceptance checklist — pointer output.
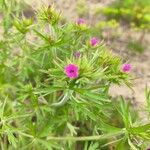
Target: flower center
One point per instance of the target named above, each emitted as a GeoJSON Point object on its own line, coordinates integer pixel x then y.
{"type": "Point", "coordinates": [71, 71]}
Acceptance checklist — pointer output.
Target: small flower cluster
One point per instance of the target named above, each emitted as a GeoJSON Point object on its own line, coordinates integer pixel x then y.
{"type": "Point", "coordinates": [72, 70]}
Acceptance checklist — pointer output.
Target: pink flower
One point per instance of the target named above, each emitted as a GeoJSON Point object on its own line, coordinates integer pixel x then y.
{"type": "Point", "coordinates": [80, 21]}
{"type": "Point", "coordinates": [126, 67]}
{"type": "Point", "coordinates": [77, 54]}
{"type": "Point", "coordinates": [72, 71]}
{"type": "Point", "coordinates": [94, 41]}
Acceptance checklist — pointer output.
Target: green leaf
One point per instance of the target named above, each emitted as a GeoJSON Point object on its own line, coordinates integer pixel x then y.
{"type": "Point", "coordinates": [46, 144]}
{"type": "Point", "coordinates": [72, 129]}
{"type": "Point", "coordinates": [46, 130]}
{"type": "Point", "coordinates": [122, 145]}
{"type": "Point", "coordinates": [3, 107]}
{"type": "Point", "coordinates": [139, 129]}
{"type": "Point", "coordinates": [48, 90]}
{"type": "Point", "coordinates": [41, 35]}
{"type": "Point", "coordinates": [93, 96]}
{"type": "Point", "coordinates": [132, 145]}
{"type": "Point", "coordinates": [108, 128]}
{"type": "Point", "coordinates": [123, 109]}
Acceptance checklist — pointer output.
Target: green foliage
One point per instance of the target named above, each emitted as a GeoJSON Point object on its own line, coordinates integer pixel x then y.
{"type": "Point", "coordinates": [136, 46]}
{"type": "Point", "coordinates": [82, 8]}
{"type": "Point", "coordinates": [107, 24]}
{"type": "Point", "coordinates": [134, 13]}
{"type": "Point", "coordinates": [23, 25]}
{"type": "Point", "coordinates": [42, 108]}
{"type": "Point", "coordinates": [110, 27]}
{"type": "Point", "coordinates": [49, 15]}
{"type": "Point", "coordinates": [10, 9]}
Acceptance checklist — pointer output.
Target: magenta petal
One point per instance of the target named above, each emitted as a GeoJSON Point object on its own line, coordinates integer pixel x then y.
{"type": "Point", "coordinates": [77, 54]}
{"type": "Point", "coordinates": [71, 71]}
{"type": "Point", "coordinates": [94, 41]}
{"type": "Point", "coordinates": [80, 21]}
{"type": "Point", "coordinates": [126, 67]}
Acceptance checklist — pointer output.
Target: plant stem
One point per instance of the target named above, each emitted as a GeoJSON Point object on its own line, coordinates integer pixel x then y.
{"type": "Point", "coordinates": [85, 138]}
{"type": "Point", "coordinates": [64, 100]}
